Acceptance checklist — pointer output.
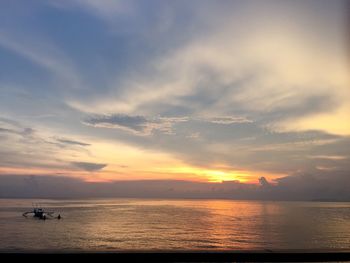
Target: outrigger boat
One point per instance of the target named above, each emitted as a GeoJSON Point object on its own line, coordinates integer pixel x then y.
{"type": "Point", "coordinates": [41, 214]}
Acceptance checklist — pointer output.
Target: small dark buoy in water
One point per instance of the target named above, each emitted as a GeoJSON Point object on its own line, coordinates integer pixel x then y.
{"type": "Point", "coordinates": [59, 216]}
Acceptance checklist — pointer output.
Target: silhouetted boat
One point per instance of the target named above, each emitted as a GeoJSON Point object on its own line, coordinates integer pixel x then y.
{"type": "Point", "coordinates": [41, 214]}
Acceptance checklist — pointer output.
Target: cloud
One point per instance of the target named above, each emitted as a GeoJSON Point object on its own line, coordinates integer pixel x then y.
{"type": "Point", "coordinates": [141, 125]}
{"type": "Point", "coordinates": [138, 125]}
{"type": "Point", "coordinates": [228, 120]}
{"type": "Point", "coordinates": [14, 128]}
{"type": "Point", "coordinates": [318, 185]}
{"type": "Point", "coordinates": [90, 167]}
{"type": "Point", "coordinates": [71, 142]}
{"type": "Point", "coordinates": [103, 9]}
{"type": "Point", "coordinates": [33, 149]}
{"type": "Point", "coordinates": [272, 72]}
{"type": "Point", "coordinates": [329, 157]}
{"type": "Point", "coordinates": [8, 130]}
{"type": "Point", "coordinates": [245, 144]}
{"type": "Point", "coordinates": [43, 53]}
{"type": "Point", "coordinates": [194, 135]}
{"type": "Point", "coordinates": [263, 182]}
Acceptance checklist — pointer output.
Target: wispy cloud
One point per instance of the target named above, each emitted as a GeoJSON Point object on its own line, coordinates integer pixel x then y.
{"type": "Point", "coordinates": [138, 125]}
{"type": "Point", "coordinates": [279, 81]}
{"type": "Point", "coordinates": [228, 120]}
{"type": "Point", "coordinates": [72, 142]}
{"type": "Point", "coordinates": [91, 167]}
{"type": "Point", "coordinates": [141, 125]}
{"type": "Point", "coordinates": [43, 53]}
{"type": "Point", "coordinates": [24, 146]}
{"type": "Point", "coordinates": [104, 9]}
{"type": "Point", "coordinates": [329, 157]}
{"type": "Point", "coordinates": [15, 128]}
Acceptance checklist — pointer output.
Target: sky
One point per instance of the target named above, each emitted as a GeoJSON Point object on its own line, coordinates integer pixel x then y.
{"type": "Point", "coordinates": [198, 92]}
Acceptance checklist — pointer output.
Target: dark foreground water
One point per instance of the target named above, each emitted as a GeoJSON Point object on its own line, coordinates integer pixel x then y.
{"type": "Point", "coordinates": [119, 224]}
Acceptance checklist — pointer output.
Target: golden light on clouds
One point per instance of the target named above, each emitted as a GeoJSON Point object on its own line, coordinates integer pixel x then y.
{"type": "Point", "coordinates": [125, 162]}
{"type": "Point", "coordinates": [210, 175]}
{"type": "Point", "coordinates": [335, 123]}
{"type": "Point", "coordinates": [131, 163]}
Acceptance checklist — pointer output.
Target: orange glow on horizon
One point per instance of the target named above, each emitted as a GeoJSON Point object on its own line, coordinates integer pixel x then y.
{"type": "Point", "coordinates": [209, 175]}
{"type": "Point", "coordinates": [185, 173]}
{"type": "Point", "coordinates": [128, 163]}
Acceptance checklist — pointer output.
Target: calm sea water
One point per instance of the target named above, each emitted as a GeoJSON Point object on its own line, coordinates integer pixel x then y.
{"type": "Point", "coordinates": [123, 224]}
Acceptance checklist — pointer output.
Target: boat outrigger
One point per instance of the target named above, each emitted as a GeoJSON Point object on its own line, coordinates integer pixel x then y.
{"type": "Point", "coordinates": [41, 214]}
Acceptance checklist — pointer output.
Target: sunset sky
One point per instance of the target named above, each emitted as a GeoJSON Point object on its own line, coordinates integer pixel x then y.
{"type": "Point", "coordinates": [204, 91]}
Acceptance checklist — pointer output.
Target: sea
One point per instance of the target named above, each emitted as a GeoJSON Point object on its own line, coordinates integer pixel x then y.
{"type": "Point", "coordinates": [177, 225]}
